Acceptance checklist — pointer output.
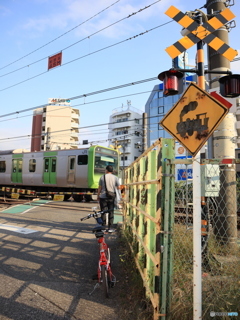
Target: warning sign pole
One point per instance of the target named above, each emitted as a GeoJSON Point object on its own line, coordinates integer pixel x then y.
{"type": "Point", "coordinates": [197, 241]}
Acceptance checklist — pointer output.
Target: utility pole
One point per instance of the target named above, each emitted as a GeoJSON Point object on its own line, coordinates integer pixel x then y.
{"type": "Point", "coordinates": [48, 139]}
{"type": "Point", "coordinates": [225, 224]}
{"type": "Point", "coordinates": [144, 124]}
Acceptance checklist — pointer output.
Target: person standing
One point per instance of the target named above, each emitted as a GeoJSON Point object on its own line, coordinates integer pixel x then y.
{"type": "Point", "coordinates": [108, 183]}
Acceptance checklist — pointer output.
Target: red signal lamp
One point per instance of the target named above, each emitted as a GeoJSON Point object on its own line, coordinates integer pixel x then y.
{"type": "Point", "coordinates": [230, 86]}
{"type": "Point", "coordinates": [171, 81]}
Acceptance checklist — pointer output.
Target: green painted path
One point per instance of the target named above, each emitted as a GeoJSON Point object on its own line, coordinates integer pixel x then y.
{"type": "Point", "coordinates": [21, 208]}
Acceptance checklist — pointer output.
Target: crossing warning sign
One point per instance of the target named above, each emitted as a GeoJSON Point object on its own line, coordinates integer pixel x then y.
{"type": "Point", "coordinates": [199, 32]}
{"type": "Point", "coordinates": [194, 118]}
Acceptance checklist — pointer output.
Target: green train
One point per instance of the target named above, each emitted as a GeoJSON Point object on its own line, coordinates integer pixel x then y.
{"type": "Point", "coordinates": [73, 172]}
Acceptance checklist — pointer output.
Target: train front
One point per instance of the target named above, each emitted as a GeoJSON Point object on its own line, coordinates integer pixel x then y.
{"type": "Point", "coordinates": [100, 158]}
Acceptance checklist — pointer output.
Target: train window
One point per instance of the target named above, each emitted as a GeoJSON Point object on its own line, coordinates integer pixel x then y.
{"type": "Point", "coordinates": [20, 166]}
{"type": "Point", "coordinates": [72, 163]}
{"type": "Point", "coordinates": [54, 162]}
{"type": "Point", "coordinates": [46, 165]}
{"type": "Point", "coordinates": [32, 165]}
{"type": "Point", "coordinates": [2, 166]}
{"type": "Point", "coordinates": [82, 159]}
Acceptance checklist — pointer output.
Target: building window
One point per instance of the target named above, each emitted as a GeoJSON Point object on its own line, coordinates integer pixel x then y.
{"type": "Point", "coordinates": [2, 166]}
{"type": "Point", "coordinates": [43, 129]}
{"type": "Point", "coordinates": [239, 155]}
{"type": "Point", "coordinates": [161, 109]}
{"type": "Point", "coordinates": [137, 121]}
{"type": "Point", "coordinates": [32, 165]}
{"type": "Point", "coordinates": [137, 145]}
{"type": "Point", "coordinates": [82, 159]}
{"type": "Point", "coordinates": [135, 158]}
{"type": "Point", "coordinates": [118, 133]}
{"type": "Point", "coordinates": [122, 119]}
{"type": "Point", "coordinates": [124, 158]}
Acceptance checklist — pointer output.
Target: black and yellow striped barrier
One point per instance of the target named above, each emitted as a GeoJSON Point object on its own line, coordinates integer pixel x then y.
{"type": "Point", "coordinates": [201, 32]}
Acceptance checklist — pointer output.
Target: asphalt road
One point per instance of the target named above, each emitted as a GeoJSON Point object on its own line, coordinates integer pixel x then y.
{"type": "Point", "coordinates": [47, 259]}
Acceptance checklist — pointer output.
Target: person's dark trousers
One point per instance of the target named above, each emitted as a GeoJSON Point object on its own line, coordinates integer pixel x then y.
{"type": "Point", "coordinates": [107, 204]}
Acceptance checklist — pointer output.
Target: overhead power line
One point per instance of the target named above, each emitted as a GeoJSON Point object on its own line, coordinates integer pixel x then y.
{"type": "Point", "coordinates": [83, 96]}
{"type": "Point", "coordinates": [140, 34]}
{"type": "Point", "coordinates": [91, 35]}
{"type": "Point", "coordinates": [84, 103]}
{"type": "Point", "coordinates": [59, 36]}
{"type": "Point", "coordinates": [80, 128]}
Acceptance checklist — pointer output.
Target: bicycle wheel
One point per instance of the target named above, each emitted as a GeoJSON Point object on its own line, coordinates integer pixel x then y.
{"type": "Point", "coordinates": [104, 278]}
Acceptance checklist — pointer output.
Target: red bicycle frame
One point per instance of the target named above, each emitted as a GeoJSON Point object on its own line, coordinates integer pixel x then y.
{"type": "Point", "coordinates": [104, 258]}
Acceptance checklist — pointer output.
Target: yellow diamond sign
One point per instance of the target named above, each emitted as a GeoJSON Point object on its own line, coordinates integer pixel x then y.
{"type": "Point", "coordinates": [194, 118]}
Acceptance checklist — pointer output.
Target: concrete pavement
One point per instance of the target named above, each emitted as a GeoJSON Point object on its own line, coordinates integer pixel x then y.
{"type": "Point", "coordinates": [46, 273]}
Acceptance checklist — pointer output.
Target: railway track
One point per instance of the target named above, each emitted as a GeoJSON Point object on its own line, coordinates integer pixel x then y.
{"type": "Point", "coordinates": [8, 202]}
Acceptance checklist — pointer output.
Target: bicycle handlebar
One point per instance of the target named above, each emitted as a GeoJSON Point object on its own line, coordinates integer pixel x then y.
{"type": "Point", "coordinates": [94, 215]}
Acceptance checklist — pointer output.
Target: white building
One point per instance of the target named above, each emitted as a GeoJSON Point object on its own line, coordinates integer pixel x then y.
{"type": "Point", "coordinates": [55, 126]}
{"type": "Point", "coordinates": [125, 130]}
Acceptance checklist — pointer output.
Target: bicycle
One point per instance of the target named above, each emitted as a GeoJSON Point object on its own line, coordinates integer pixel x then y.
{"type": "Point", "coordinates": [104, 274]}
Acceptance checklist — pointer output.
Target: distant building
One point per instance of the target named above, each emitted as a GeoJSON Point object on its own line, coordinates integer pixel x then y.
{"type": "Point", "coordinates": [125, 132]}
{"type": "Point", "coordinates": [55, 126]}
{"type": "Point", "coordinates": [156, 107]}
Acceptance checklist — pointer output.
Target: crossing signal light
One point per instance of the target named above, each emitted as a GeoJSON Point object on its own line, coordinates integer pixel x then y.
{"type": "Point", "coordinates": [230, 86]}
{"type": "Point", "coordinates": [172, 82]}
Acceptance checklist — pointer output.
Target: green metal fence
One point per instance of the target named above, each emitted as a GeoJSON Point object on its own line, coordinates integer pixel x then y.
{"type": "Point", "coordinates": [158, 223]}
{"type": "Point", "coordinates": [148, 220]}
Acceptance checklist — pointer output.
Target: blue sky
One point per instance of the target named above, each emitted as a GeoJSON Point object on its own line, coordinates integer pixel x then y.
{"type": "Point", "coordinates": [46, 27]}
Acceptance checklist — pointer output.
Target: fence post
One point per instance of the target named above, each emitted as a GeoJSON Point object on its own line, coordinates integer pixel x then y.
{"type": "Point", "coordinates": [168, 178]}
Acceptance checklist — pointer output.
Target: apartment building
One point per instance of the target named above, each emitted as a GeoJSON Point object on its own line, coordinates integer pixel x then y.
{"type": "Point", "coordinates": [55, 127]}
{"type": "Point", "coordinates": [126, 133]}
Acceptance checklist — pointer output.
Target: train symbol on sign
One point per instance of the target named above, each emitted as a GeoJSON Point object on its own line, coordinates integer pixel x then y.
{"type": "Point", "coordinates": [198, 125]}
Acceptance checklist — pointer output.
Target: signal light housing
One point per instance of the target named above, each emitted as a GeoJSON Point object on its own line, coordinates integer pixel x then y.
{"type": "Point", "coordinates": [171, 81]}
{"type": "Point", "coordinates": [230, 86]}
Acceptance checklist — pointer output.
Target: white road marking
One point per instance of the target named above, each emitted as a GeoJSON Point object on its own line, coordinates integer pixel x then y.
{"type": "Point", "coordinates": [16, 229]}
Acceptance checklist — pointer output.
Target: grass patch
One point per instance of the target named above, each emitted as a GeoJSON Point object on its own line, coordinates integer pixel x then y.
{"type": "Point", "coordinates": [220, 284]}
{"type": "Point", "coordinates": [134, 304]}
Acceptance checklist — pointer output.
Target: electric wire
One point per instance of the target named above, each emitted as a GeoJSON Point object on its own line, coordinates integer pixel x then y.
{"type": "Point", "coordinates": [83, 95]}
{"type": "Point", "coordinates": [59, 36]}
{"type": "Point", "coordinates": [80, 128]}
{"type": "Point", "coordinates": [140, 34]}
{"type": "Point", "coordinates": [82, 104]}
{"type": "Point", "coordinates": [87, 37]}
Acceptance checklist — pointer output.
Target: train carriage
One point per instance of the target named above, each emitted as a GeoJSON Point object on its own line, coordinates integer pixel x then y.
{"type": "Point", "coordinates": [75, 171]}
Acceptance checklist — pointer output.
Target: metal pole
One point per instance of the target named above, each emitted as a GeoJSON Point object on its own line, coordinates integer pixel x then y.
{"type": "Point", "coordinates": [123, 170]}
{"type": "Point", "coordinates": [223, 147]}
{"type": "Point", "coordinates": [144, 143]}
{"type": "Point", "coordinates": [197, 245]}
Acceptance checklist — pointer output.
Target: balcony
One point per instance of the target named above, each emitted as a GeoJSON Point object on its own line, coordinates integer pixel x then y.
{"type": "Point", "coordinates": [75, 116]}
{"type": "Point", "coordinates": [74, 125]}
{"type": "Point", "coordinates": [238, 128]}
{"type": "Point", "coordinates": [74, 135]}
{"type": "Point", "coordinates": [238, 114]}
